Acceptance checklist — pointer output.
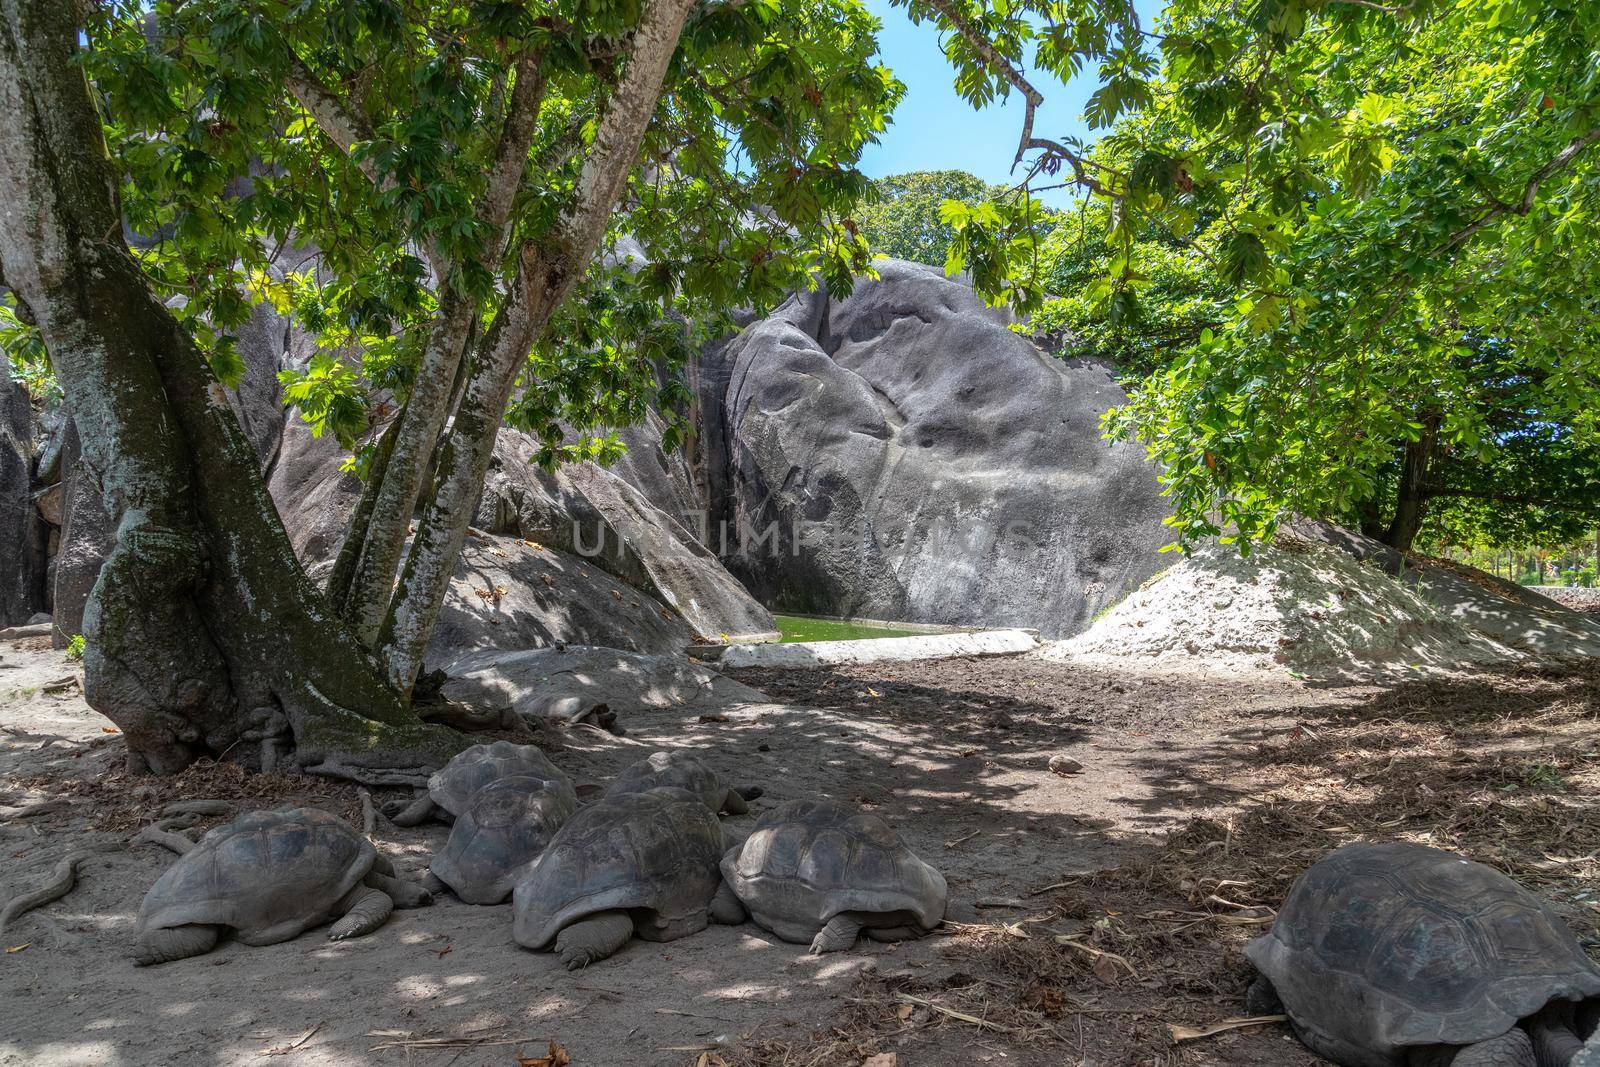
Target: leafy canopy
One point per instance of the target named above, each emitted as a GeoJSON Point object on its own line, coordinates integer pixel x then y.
{"type": "Point", "coordinates": [742, 190]}
{"type": "Point", "coordinates": [1384, 216]}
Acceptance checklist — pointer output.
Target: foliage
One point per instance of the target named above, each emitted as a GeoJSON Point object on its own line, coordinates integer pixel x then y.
{"type": "Point", "coordinates": [742, 190]}
{"type": "Point", "coordinates": [76, 646]}
{"type": "Point", "coordinates": [24, 349]}
{"type": "Point", "coordinates": [1394, 208]}
{"type": "Point", "coordinates": [1141, 324]}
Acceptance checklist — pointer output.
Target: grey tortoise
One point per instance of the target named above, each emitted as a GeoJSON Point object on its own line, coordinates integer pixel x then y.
{"type": "Point", "coordinates": [683, 770]}
{"type": "Point", "coordinates": [1400, 955]}
{"type": "Point", "coordinates": [451, 788]}
{"type": "Point", "coordinates": [633, 863]}
{"type": "Point", "coordinates": [269, 876]}
{"type": "Point", "coordinates": [508, 824]}
{"type": "Point", "coordinates": [822, 872]}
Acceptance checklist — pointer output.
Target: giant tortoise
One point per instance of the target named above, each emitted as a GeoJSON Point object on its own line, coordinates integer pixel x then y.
{"type": "Point", "coordinates": [269, 876]}
{"type": "Point", "coordinates": [507, 825]}
{"type": "Point", "coordinates": [684, 770]}
{"type": "Point", "coordinates": [1399, 955]}
{"type": "Point", "coordinates": [822, 872]}
{"type": "Point", "coordinates": [633, 863]}
{"type": "Point", "coordinates": [452, 787]}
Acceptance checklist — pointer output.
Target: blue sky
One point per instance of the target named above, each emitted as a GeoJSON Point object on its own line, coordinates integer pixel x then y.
{"type": "Point", "coordinates": [934, 129]}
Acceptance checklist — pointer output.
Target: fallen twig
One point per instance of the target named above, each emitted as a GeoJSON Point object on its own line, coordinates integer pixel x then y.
{"type": "Point", "coordinates": [1071, 941]}
{"type": "Point", "coordinates": [1195, 1033]}
{"type": "Point", "coordinates": [986, 1024]}
{"type": "Point", "coordinates": [369, 814]}
{"type": "Point", "coordinates": [460, 1041]}
{"type": "Point", "coordinates": [160, 833]}
{"type": "Point", "coordinates": [284, 1050]}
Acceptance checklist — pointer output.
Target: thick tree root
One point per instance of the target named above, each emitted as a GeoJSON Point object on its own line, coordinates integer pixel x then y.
{"type": "Point", "coordinates": [62, 879]}
{"type": "Point", "coordinates": [43, 807]}
{"type": "Point", "coordinates": [161, 833]}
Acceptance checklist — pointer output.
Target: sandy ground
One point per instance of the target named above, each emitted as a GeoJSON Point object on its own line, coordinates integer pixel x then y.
{"type": "Point", "coordinates": [1099, 890]}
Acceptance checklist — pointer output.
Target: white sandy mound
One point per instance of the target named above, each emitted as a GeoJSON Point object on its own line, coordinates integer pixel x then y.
{"type": "Point", "coordinates": [1291, 605]}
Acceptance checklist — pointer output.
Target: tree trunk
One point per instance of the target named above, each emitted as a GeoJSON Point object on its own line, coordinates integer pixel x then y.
{"type": "Point", "coordinates": [1411, 497]}
{"type": "Point", "coordinates": [549, 269]}
{"type": "Point", "coordinates": [204, 635]}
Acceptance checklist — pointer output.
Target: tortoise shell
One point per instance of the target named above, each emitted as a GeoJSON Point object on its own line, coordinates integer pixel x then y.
{"type": "Point", "coordinates": [808, 860]}
{"type": "Point", "coordinates": [507, 825]}
{"type": "Point", "coordinates": [453, 785]}
{"type": "Point", "coordinates": [269, 875]}
{"type": "Point", "coordinates": [654, 853]}
{"type": "Point", "coordinates": [678, 769]}
{"type": "Point", "coordinates": [1380, 947]}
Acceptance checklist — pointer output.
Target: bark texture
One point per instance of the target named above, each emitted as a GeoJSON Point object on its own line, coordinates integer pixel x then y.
{"type": "Point", "coordinates": [204, 635]}
{"type": "Point", "coordinates": [549, 269]}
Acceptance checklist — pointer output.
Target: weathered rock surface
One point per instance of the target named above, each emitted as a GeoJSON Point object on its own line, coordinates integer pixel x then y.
{"type": "Point", "coordinates": [22, 531]}
{"type": "Point", "coordinates": [909, 457]}
{"type": "Point", "coordinates": [510, 594]}
{"type": "Point", "coordinates": [604, 517]}
{"type": "Point", "coordinates": [507, 593]}
{"type": "Point", "coordinates": [549, 682]}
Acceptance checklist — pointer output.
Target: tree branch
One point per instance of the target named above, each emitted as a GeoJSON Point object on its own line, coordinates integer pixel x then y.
{"type": "Point", "coordinates": [346, 129]}
{"type": "Point", "coordinates": [1530, 190]}
{"type": "Point", "coordinates": [511, 154]}
{"type": "Point", "coordinates": [997, 62]}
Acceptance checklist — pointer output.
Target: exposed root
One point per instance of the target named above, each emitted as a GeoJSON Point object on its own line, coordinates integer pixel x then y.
{"type": "Point", "coordinates": [43, 807]}
{"type": "Point", "coordinates": [62, 879]}
{"type": "Point", "coordinates": [162, 833]}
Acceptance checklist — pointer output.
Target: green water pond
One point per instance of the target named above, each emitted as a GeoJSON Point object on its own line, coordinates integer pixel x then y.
{"type": "Point", "coordinates": [796, 628]}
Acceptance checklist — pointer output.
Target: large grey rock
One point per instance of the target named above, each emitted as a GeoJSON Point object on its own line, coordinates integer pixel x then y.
{"type": "Point", "coordinates": [263, 343]}
{"type": "Point", "coordinates": [314, 495]}
{"type": "Point", "coordinates": [909, 457]}
{"type": "Point", "coordinates": [22, 530]}
{"type": "Point", "coordinates": [507, 593]}
{"type": "Point", "coordinates": [603, 516]}
{"type": "Point", "coordinates": [510, 594]}
{"type": "Point", "coordinates": [550, 682]}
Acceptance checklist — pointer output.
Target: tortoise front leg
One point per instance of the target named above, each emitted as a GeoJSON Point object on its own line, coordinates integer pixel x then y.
{"type": "Point", "coordinates": [1554, 1042]}
{"type": "Point", "coordinates": [366, 910]}
{"type": "Point", "coordinates": [726, 908]}
{"type": "Point", "coordinates": [174, 943]}
{"type": "Point", "coordinates": [593, 938]}
{"type": "Point", "coordinates": [837, 936]}
{"type": "Point", "coordinates": [404, 894]}
{"type": "Point", "coordinates": [1262, 999]}
{"type": "Point", "coordinates": [418, 811]}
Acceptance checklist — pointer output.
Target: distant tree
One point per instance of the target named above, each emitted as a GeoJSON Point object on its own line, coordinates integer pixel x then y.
{"type": "Point", "coordinates": [900, 218]}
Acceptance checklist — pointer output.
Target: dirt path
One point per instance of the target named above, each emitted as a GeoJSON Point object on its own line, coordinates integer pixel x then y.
{"type": "Point", "coordinates": [953, 754]}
